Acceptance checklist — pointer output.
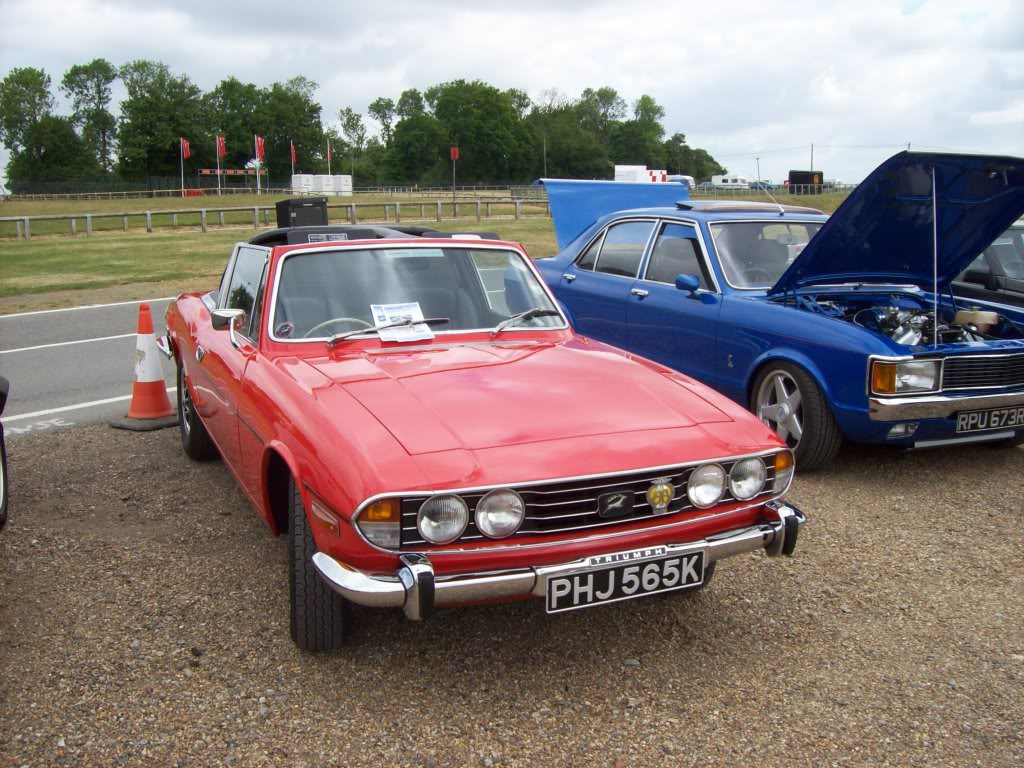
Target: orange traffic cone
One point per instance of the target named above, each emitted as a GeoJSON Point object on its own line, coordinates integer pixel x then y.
{"type": "Point", "coordinates": [150, 407]}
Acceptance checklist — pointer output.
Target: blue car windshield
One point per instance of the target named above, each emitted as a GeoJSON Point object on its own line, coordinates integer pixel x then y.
{"type": "Point", "coordinates": [754, 254]}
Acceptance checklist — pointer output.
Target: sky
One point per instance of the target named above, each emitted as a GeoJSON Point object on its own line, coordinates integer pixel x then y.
{"type": "Point", "coordinates": [744, 79]}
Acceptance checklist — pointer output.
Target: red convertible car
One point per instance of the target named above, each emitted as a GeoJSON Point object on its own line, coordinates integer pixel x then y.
{"type": "Point", "coordinates": [417, 415]}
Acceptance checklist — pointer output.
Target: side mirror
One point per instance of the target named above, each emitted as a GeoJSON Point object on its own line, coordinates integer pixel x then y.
{"type": "Point", "coordinates": [688, 283]}
{"type": "Point", "coordinates": [228, 320]}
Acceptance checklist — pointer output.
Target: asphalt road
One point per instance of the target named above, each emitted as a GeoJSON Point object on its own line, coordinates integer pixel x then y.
{"type": "Point", "coordinates": [71, 366]}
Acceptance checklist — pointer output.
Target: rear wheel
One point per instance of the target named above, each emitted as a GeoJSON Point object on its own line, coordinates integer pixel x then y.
{"type": "Point", "coordinates": [195, 440]}
{"type": "Point", "coordinates": [790, 402]}
{"type": "Point", "coordinates": [319, 615]}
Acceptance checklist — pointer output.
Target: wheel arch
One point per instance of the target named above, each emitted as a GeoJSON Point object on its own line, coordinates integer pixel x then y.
{"type": "Point", "coordinates": [278, 469]}
{"type": "Point", "coordinates": [793, 357]}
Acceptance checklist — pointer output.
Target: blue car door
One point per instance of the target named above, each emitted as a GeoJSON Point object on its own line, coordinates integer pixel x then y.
{"type": "Point", "coordinates": [596, 287]}
{"type": "Point", "coordinates": [669, 325]}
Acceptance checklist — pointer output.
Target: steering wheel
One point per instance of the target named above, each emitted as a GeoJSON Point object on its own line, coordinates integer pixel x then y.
{"type": "Point", "coordinates": [333, 320]}
{"type": "Point", "coordinates": [756, 276]}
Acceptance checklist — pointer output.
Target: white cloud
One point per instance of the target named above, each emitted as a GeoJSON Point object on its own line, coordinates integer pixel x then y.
{"type": "Point", "coordinates": [858, 80]}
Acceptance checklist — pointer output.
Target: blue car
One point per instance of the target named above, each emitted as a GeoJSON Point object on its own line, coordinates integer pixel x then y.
{"type": "Point", "coordinates": [825, 327]}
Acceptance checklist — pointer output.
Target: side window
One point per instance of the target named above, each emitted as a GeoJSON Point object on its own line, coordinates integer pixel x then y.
{"type": "Point", "coordinates": [244, 284]}
{"type": "Point", "coordinates": [623, 248]}
{"type": "Point", "coordinates": [586, 261]}
{"type": "Point", "coordinates": [677, 252]}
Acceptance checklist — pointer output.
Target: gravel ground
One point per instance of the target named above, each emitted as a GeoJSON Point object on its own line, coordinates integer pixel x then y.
{"type": "Point", "coordinates": [143, 622]}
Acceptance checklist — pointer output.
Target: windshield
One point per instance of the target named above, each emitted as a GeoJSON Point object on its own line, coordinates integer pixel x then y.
{"type": "Point", "coordinates": [1005, 257]}
{"type": "Point", "coordinates": [754, 254]}
{"type": "Point", "coordinates": [331, 292]}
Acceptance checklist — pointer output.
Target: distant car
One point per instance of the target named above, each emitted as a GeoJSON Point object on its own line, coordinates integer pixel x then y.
{"type": "Point", "coordinates": [5, 388]}
{"type": "Point", "coordinates": [420, 419]}
{"type": "Point", "coordinates": [996, 277]}
{"type": "Point", "coordinates": [823, 327]}
{"type": "Point", "coordinates": [761, 185]}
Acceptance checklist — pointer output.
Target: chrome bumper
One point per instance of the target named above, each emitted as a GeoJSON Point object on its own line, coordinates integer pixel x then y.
{"type": "Point", "coordinates": [417, 590]}
{"type": "Point", "coordinates": [936, 406]}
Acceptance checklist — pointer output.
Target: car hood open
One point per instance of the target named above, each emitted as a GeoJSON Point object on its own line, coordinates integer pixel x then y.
{"type": "Point", "coordinates": [884, 230]}
{"type": "Point", "coordinates": [481, 396]}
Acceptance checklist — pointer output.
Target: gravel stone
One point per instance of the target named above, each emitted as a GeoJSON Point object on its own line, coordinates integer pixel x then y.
{"type": "Point", "coordinates": [762, 668]}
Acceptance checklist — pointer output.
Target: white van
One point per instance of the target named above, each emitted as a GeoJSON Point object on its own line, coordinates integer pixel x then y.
{"type": "Point", "coordinates": [729, 181]}
{"type": "Point", "coordinates": [681, 179]}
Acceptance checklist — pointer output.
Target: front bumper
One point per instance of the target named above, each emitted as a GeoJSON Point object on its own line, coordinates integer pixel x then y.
{"type": "Point", "coordinates": [417, 590]}
{"type": "Point", "coordinates": [936, 406]}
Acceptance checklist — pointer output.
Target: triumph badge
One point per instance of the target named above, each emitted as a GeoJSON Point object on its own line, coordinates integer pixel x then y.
{"type": "Point", "coordinates": [660, 494]}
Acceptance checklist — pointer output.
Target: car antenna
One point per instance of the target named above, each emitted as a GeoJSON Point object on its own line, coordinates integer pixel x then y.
{"type": "Point", "coordinates": [782, 211]}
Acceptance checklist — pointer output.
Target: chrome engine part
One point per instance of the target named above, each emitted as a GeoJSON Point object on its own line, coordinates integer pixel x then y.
{"type": "Point", "coordinates": [912, 327]}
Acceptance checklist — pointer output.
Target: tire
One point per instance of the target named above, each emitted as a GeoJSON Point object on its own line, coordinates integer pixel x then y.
{"type": "Point", "coordinates": [320, 617]}
{"type": "Point", "coordinates": [195, 440]}
{"type": "Point", "coordinates": [3, 479]}
{"type": "Point", "coordinates": [806, 424]}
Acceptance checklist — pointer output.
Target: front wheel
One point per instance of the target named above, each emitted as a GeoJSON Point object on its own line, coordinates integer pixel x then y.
{"type": "Point", "coordinates": [319, 615]}
{"type": "Point", "coordinates": [195, 440]}
{"type": "Point", "coordinates": [790, 402]}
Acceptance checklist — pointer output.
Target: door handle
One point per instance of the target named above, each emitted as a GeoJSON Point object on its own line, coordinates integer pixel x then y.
{"type": "Point", "coordinates": [200, 353]}
{"type": "Point", "coordinates": [568, 278]}
{"type": "Point", "coordinates": [640, 292]}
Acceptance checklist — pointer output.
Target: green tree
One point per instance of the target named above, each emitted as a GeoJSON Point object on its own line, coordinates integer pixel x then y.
{"type": "Point", "coordinates": [292, 114]}
{"type": "Point", "coordinates": [88, 87]}
{"type": "Point", "coordinates": [417, 146]}
{"type": "Point", "coordinates": [383, 111]}
{"type": "Point", "coordinates": [410, 104]}
{"type": "Point", "coordinates": [25, 99]}
{"type": "Point", "coordinates": [598, 110]}
{"type": "Point", "coordinates": [235, 110]}
{"type": "Point", "coordinates": [353, 129]}
{"type": "Point", "coordinates": [52, 151]}
{"type": "Point", "coordinates": [158, 109]}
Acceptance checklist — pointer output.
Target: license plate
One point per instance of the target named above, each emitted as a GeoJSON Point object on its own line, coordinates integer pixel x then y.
{"type": "Point", "coordinates": [993, 418]}
{"type": "Point", "coordinates": [625, 581]}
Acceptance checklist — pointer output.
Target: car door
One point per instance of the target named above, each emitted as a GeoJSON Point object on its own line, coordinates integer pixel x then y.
{"type": "Point", "coordinates": [222, 356]}
{"type": "Point", "coordinates": [597, 285]}
{"type": "Point", "coordinates": [669, 325]}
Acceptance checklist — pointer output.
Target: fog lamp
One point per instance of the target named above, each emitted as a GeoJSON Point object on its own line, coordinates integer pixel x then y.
{"type": "Point", "coordinates": [903, 430]}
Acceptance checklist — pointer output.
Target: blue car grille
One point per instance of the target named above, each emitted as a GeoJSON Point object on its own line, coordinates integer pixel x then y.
{"type": "Point", "coordinates": [572, 505]}
{"type": "Point", "coordinates": [983, 372]}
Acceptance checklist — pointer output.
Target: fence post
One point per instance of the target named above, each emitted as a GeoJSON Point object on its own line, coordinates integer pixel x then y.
{"type": "Point", "coordinates": [421, 210]}
{"type": "Point", "coordinates": [438, 204]}
{"type": "Point", "coordinates": [488, 209]}
{"type": "Point", "coordinates": [255, 217]}
{"type": "Point", "coordinates": [202, 219]}
{"type": "Point", "coordinates": [266, 216]}
{"type": "Point", "coordinates": [398, 213]}
{"type": "Point", "coordinates": [352, 213]}
{"type": "Point", "coordinates": [517, 210]}
{"type": "Point", "coordinates": [220, 218]}
{"type": "Point", "coordinates": [124, 222]}
{"type": "Point", "coordinates": [149, 222]}
{"type": "Point", "coordinates": [547, 207]}
{"type": "Point", "coordinates": [174, 220]}
{"type": "Point", "coordinates": [74, 226]}
{"type": "Point", "coordinates": [88, 224]}
{"type": "Point", "coordinates": [478, 210]}
{"type": "Point", "coordinates": [17, 229]}
{"type": "Point", "coordinates": [386, 206]}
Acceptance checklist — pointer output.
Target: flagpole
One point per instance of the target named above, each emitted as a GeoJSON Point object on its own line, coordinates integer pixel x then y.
{"type": "Point", "coordinates": [291, 148]}
{"type": "Point", "coordinates": [328, 157]}
{"type": "Point", "coordinates": [256, 146]}
{"type": "Point", "coordinates": [216, 151]}
{"type": "Point", "coordinates": [181, 158]}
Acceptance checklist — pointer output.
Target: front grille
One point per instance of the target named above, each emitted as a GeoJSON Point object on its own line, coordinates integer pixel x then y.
{"type": "Point", "coordinates": [571, 505]}
{"type": "Point", "coordinates": [983, 372]}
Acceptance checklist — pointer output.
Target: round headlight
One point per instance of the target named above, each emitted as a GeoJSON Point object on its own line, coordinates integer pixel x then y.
{"type": "Point", "coordinates": [747, 478]}
{"type": "Point", "coordinates": [499, 514]}
{"type": "Point", "coordinates": [706, 485]}
{"type": "Point", "coordinates": [442, 519]}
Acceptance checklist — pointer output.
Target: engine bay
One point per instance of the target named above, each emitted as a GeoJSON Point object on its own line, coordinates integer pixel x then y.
{"type": "Point", "coordinates": [907, 318]}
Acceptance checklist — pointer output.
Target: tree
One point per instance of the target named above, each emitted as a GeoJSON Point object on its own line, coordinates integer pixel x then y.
{"type": "Point", "coordinates": [353, 129]}
{"type": "Point", "coordinates": [600, 109]}
{"type": "Point", "coordinates": [237, 111]}
{"type": "Point", "coordinates": [383, 111]}
{"type": "Point", "coordinates": [88, 87]}
{"type": "Point", "coordinates": [417, 146]}
{"type": "Point", "coordinates": [25, 99]}
{"type": "Point", "coordinates": [649, 113]}
{"type": "Point", "coordinates": [410, 104]}
{"type": "Point", "coordinates": [159, 109]}
{"type": "Point", "coordinates": [291, 114]}
{"type": "Point", "coordinates": [52, 151]}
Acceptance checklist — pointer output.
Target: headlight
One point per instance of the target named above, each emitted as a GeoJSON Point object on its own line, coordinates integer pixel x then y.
{"type": "Point", "coordinates": [379, 523]}
{"type": "Point", "coordinates": [499, 514]}
{"type": "Point", "coordinates": [746, 479]}
{"type": "Point", "coordinates": [706, 485]}
{"type": "Point", "coordinates": [783, 471]}
{"type": "Point", "coordinates": [911, 376]}
{"type": "Point", "coordinates": [442, 519]}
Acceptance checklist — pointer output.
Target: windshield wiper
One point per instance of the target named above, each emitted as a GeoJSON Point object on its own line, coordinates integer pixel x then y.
{"type": "Point", "coordinates": [528, 314]}
{"type": "Point", "coordinates": [397, 324]}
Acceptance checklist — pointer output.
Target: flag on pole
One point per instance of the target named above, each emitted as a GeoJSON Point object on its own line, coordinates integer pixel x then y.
{"type": "Point", "coordinates": [259, 148]}
{"type": "Point", "coordinates": [292, 143]}
{"type": "Point", "coordinates": [222, 146]}
{"type": "Point", "coordinates": [186, 149]}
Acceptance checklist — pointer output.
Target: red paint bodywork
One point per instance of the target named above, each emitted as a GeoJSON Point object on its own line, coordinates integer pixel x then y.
{"type": "Point", "coordinates": [459, 411]}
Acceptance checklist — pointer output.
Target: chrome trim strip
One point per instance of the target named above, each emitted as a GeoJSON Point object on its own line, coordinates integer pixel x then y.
{"type": "Point", "coordinates": [438, 491]}
{"type": "Point", "coordinates": [937, 406]}
{"type": "Point", "coordinates": [967, 438]}
{"type": "Point", "coordinates": [362, 245]}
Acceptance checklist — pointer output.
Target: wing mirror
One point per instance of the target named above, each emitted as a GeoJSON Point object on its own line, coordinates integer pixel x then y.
{"type": "Point", "coordinates": [688, 283]}
{"type": "Point", "coordinates": [228, 320]}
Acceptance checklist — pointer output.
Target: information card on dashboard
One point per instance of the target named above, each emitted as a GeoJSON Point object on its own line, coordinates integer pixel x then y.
{"type": "Point", "coordinates": [386, 314]}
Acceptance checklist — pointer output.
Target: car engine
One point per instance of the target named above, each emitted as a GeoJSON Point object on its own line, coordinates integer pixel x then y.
{"type": "Point", "coordinates": [911, 327]}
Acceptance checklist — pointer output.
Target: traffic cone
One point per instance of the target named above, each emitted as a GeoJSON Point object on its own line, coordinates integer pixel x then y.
{"type": "Point", "coordinates": [150, 407]}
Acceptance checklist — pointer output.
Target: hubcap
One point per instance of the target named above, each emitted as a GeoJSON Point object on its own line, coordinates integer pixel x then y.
{"type": "Point", "coordinates": [780, 406]}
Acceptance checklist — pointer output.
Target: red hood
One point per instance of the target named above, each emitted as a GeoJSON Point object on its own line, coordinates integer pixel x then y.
{"type": "Point", "coordinates": [489, 395]}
